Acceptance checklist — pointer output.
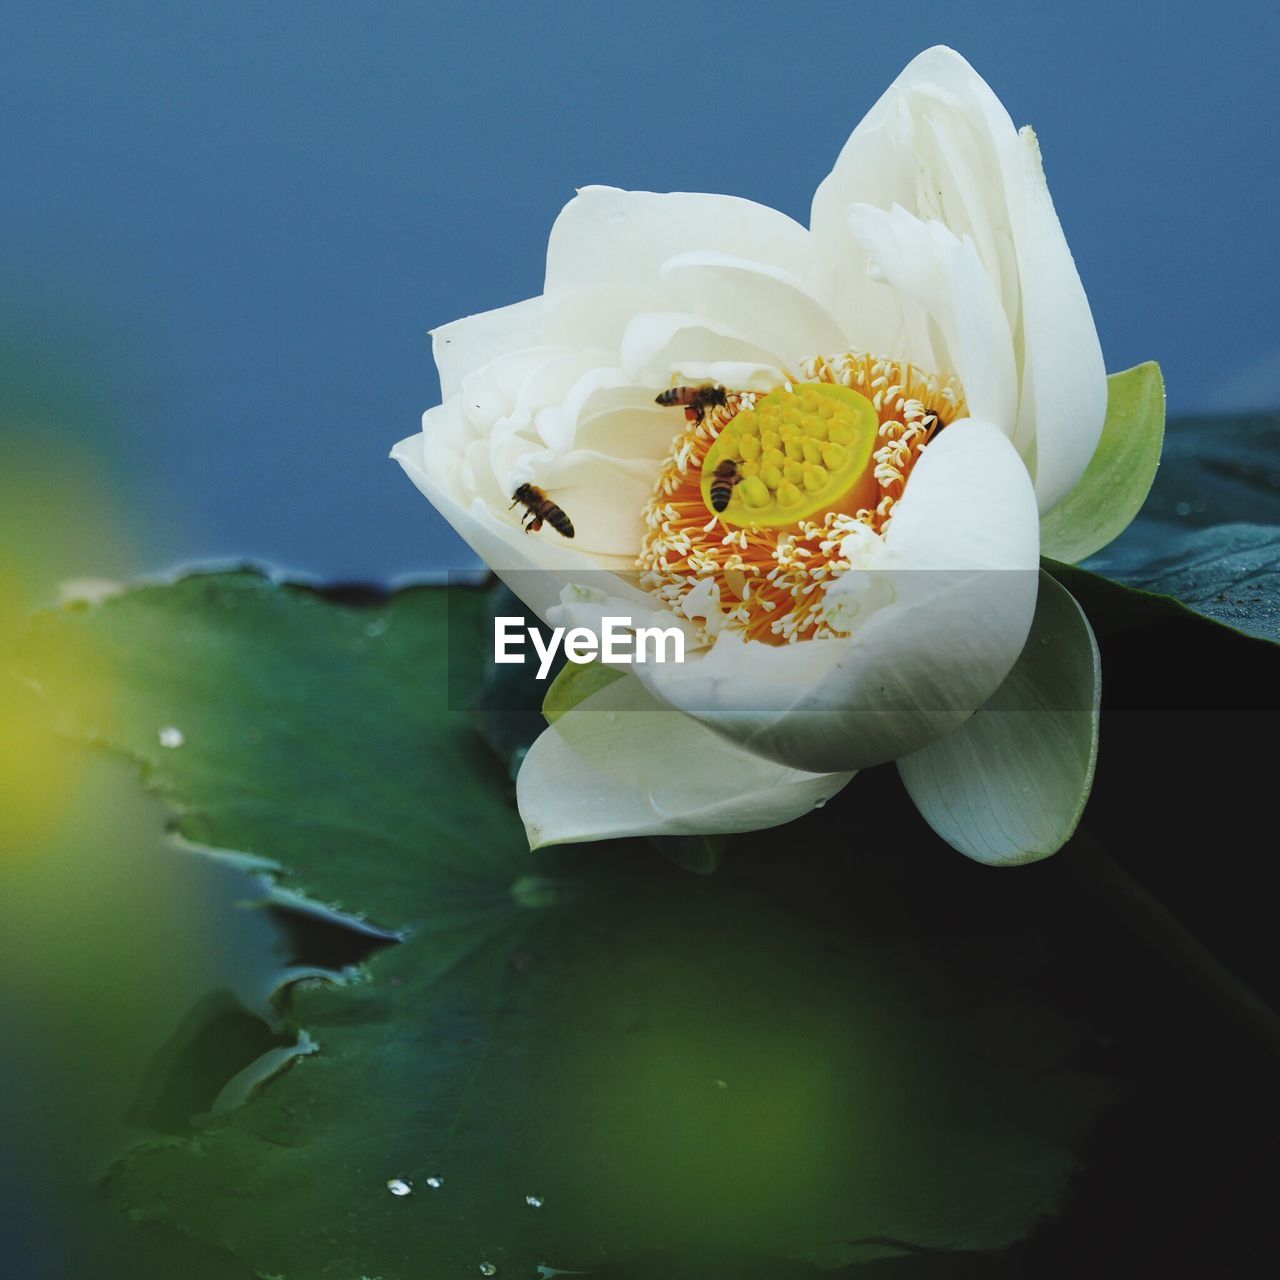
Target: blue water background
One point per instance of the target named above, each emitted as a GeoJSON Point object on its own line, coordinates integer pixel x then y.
{"type": "Point", "coordinates": [226, 229]}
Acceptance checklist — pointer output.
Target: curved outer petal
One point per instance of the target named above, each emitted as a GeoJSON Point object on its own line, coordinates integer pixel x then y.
{"type": "Point", "coordinates": [739, 267]}
{"type": "Point", "coordinates": [1064, 379]}
{"type": "Point", "coordinates": [664, 340]}
{"type": "Point", "coordinates": [536, 569]}
{"type": "Point", "coordinates": [940, 144]}
{"type": "Point", "coordinates": [774, 307]}
{"type": "Point", "coordinates": [961, 559]}
{"type": "Point", "coordinates": [623, 238]}
{"type": "Point", "coordinates": [964, 327]}
{"type": "Point", "coordinates": [472, 342]}
{"type": "Point", "coordinates": [1010, 784]}
{"type": "Point", "coordinates": [621, 764]}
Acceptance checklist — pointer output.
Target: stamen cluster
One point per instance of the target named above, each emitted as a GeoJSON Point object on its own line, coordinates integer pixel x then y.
{"type": "Point", "coordinates": [770, 582]}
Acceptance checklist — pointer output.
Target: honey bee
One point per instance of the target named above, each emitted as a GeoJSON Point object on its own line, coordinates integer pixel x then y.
{"type": "Point", "coordinates": [539, 508]}
{"type": "Point", "coordinates": [696, 400]}
{"type": "Point", "coordinates": [726, 477]}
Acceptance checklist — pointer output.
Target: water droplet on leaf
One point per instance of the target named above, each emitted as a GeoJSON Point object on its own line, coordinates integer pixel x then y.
{"type": "Point", "coordinates": [171, 736]}
{"type": "Point", "coordinates": [435, 1183]}
{"type": "Point", "coordinates": [488, 1269]}
{"type": "Point", "coordinates": [534, 1202]}
{"type": "Point", "coordinates": [399, 1187]}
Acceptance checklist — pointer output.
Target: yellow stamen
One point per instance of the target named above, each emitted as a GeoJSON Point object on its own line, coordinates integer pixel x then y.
{"type": "Point", "coordinates": [818, 461]}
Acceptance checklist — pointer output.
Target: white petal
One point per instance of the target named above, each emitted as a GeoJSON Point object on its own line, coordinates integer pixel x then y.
{"type": "Point", "coordinates": [611, 253]}
{"type": "Point", "coordinates": [967, 506]}
{"type": "Point", "coordinates": [520, 381]}
{"type": "Point", "coordinates": [772, 307]}
{"type": "Point", "coordinates": [550, 382]}
{"type": "Point", "coordinates": [623, 428]}
{"type": "Point", "coordinates": [537, 567]}
{"type": "Point", "coordinates": [599, 314]}
{"type": "Point", "coordinates": [656, 344]}
{"type": "Point", "coordinates": [620, 764]}
{"type": "Point", "coordinates": [1064, 380]}
{"type": "Point", "coordinates": [470, 343]}
{"type": "Point", "coordinates": [439, 477]}
{"type": "Point", "coordinates": [1010, 784]}
{"type": "Point", "coordinates": [603, 496]}
{"type": "Point", "coordinates": [436, 452]}
{"type": "Point", "coordinates": [963, 553]}
{"type": "Point", "coordinates": [940, 144]}
{"type": "Point", "coordinates": [597, 389]}
{"type": "Point", "coordinates": [745, 376]}
{"type": "Point", "coordinates": [624, 237]}
{"type": "Point", "coordinates": [957, 322]}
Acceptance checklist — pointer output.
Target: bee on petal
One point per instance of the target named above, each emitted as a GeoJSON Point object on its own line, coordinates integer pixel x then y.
{"type": "Point", "coordinates": [539, 508]}
{"type": "Point", "coordinates": [696, 400]}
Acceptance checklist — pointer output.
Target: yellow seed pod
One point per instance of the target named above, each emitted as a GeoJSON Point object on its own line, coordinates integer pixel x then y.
{"type": "Point", "coordinates": [819, 463]}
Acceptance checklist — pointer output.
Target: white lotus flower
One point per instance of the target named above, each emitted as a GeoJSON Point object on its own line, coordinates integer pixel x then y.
{"type": "Point", "coordinates": [907, 386]}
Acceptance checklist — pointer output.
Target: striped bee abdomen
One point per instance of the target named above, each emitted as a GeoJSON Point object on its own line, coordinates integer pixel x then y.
{"type": "Point", "coordinates": [722, 486]}
{"type": "Point", "coordinates": [539, 509]}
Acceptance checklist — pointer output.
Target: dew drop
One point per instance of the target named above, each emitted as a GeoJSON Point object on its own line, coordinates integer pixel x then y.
{"type": "Point", "coordinates": [435, 1183]}
{"type": "Point", "coordinates": [534, 1202]}
{"type": "Point", "coordinates": [488, 1269]}
{"type": "Point", "coordinates": [1183, 508]}
{"type": "Point", "coordinates": [399, 1187]}
{"type": "Point", "coordinates": [171, 736]}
